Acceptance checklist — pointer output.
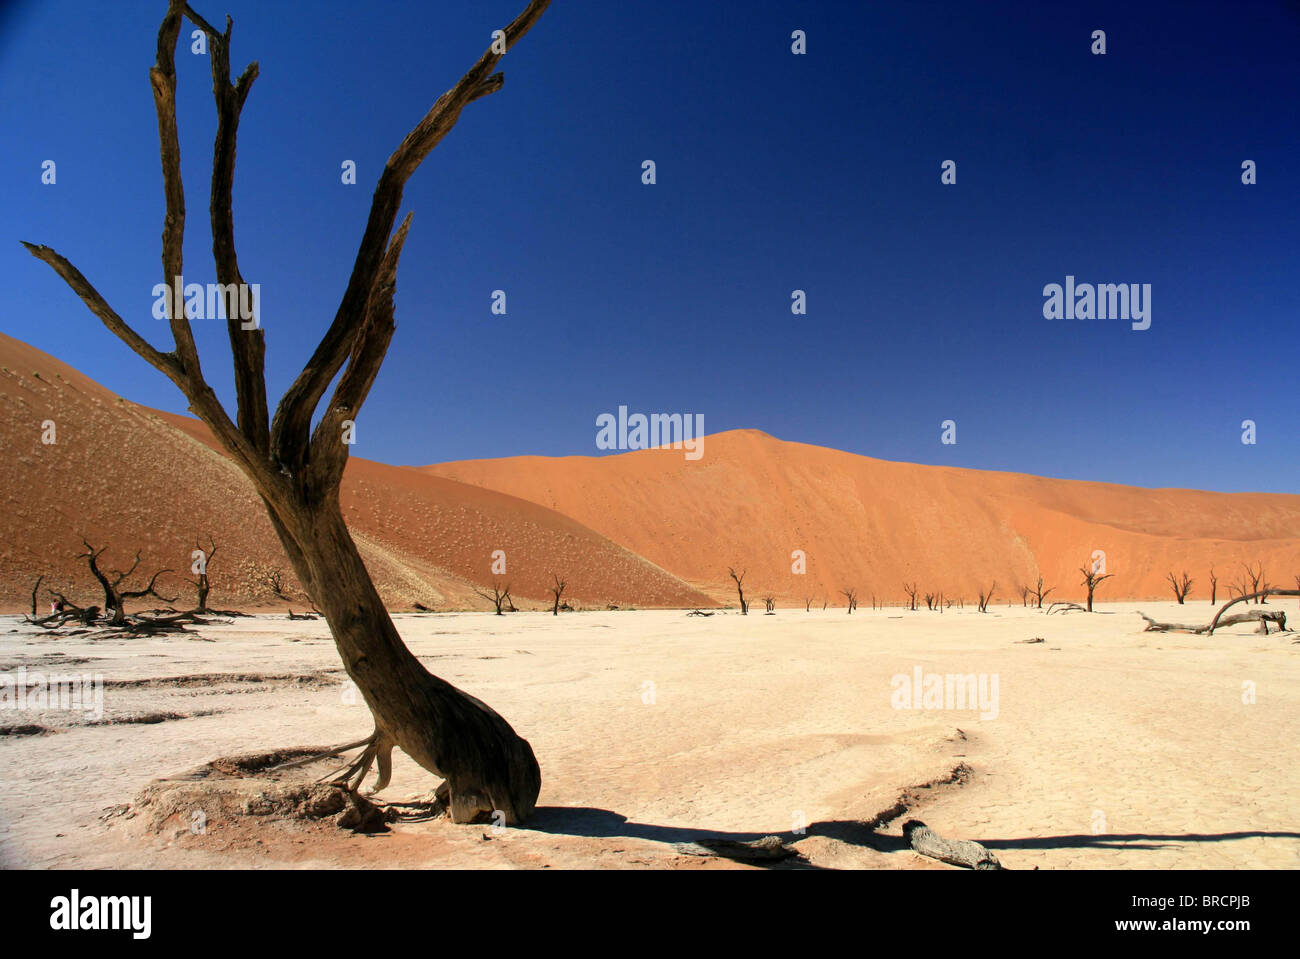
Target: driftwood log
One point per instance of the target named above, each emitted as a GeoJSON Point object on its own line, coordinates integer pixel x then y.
{"type": "Point", "coordinates": [955, 852]}
{"type": "Point", "coordinates": [1261, 616]}
{"type": "Point", "coordinates": [1263, 593]}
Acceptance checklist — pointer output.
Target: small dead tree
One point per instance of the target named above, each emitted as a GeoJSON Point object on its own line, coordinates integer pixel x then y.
{"type": "Point", "coordinates": [115, 595]}
{"type": "Point", "coordinates": [1253, 573]}
{"type": "Point", "coordinates": [200, 570]}
{"type": "Point", "coordinates": [850, 594]}
{"type": "Point", "coordinates": [36, 587]}
{"type": "Point", "coordinates": [1214, 585]}
{"type": "Point", "coordinates": [911, 590]}
{"type": "Point", "coordinates": [985, 596]}
{"type": "Point", "coordinates": [1181, 585]}
{"type": "Point", "coordinates": [1039, 593]}
{"type": "Point", "coordinates": [1092, 579]}
{"type": "Point", "coordinates": [930, 600]}
{"type": "Point", "coordinates": [740, 589]}
{"type": "Point", "coordinates": [499, 597]}
{"type": "Point", "coordinates": [1024, 595]}
{"type": "Point", "coordinates": [557, 590]}
{"type": "Point", "coordinates": [807, 604]}
{"type": "Point", "coordinates": [769, 604]}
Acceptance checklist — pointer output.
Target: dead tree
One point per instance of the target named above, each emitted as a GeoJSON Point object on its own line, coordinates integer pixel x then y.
{"type": "Point", "coordinates": [930, 599]}
{"type": "Point", "coordinates": [1214, 585]}
{"type": "Point", "coordinates": [807, 604]}
{"type": "Point", "coordinates": [911, 590]}
{"type": "Point", "coordinates": [499, 597]}
{"type": "Point", "coordinates": [296, 470]}
{"type": "Point", "coordinates": [740, 588]}
{"type": "Point", "coordinates": [986, 596]}
{"type": "Point", "coordinates": [557, 590]}
{"type": "Point", "coordinates": [36, 587]}
{"type": "Point", "coordinates": [1253, 581]}
{"type": "Point", "coordinates": [1039, 593]}
{"type": "Point", "coordinates": [1024, 595]}
{"type": "Point", "coordinates": [1092, 579]}
{"type": "Point", "coordinates": [201, 583]}
{"type": "Point", "coordinates": [115, 595]}
{"type": "Point", "coordinates": [1272, 591]}
{"type": "Point", "coordinates": [1181, 586]}
{"type": "Point", "coordinates": [850, 594]}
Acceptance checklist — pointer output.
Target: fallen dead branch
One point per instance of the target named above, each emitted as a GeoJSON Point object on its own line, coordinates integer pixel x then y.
{"type": "Point", "coordinates": [955, 852]}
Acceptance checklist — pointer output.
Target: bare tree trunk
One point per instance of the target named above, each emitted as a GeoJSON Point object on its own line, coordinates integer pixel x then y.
{"type": "Point", "coordinates": [488, 767]}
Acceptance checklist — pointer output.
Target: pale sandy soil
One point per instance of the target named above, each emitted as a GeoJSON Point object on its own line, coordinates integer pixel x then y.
{"type": "Point", "coordinates": [1111, 748]}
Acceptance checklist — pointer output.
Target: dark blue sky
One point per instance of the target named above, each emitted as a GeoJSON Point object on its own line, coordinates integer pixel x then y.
{"type": "Point", "coordinates": [776, 172]}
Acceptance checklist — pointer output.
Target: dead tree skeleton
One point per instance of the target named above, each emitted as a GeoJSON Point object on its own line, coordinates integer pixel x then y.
{"type": "Point", "coordinates": [499, 597]}
{"type": "Point", "coordinates": [296, 471]}
{"type": "Point", "coordinates": [557, 591]}
{"type": "Point", "coordinates": [740, 588]}
{"type": "Point", "coordinates": [1092, 579]}
{"type": "Point", "coordinates": [1181, 586]}
{"type": "Point", "coordinates": [114, 595]}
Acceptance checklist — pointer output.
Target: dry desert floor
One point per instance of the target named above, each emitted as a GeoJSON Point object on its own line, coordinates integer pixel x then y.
{"type": "Point", "coordinates": [1107, 747]}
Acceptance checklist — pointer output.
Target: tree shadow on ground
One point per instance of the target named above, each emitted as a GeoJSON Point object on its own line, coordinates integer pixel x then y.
{"type": "Point", "coordinates": [594, 823]}
{"type": "Point", "coordinates": [604, 824]}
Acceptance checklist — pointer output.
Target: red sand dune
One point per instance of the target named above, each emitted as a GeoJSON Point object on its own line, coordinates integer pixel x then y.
{"type": "Point", "coordinates": [872, 524]}
{"type": "Point", "coordinates": [647, 528]}
{"type": "Point", "coordinates": [137, 478]}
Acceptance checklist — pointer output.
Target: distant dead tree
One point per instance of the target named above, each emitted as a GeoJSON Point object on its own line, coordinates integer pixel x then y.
{"type": "Point", "coordinates": [1092, 579]}
{"type": "Point", "coordinates": [985, 596]}
{"type": "Point", "coordinates": [1214, 585]}
{"type": "Point", "coordinates": [36, 587]}
{"type": "Point", "coordinates": [740, 588]}
{"type": "Point", "coordinates": [1181, 586]}
{"type": "Point", "coordinates": [930, 599]}
{"type": "Point", "coordinates": [200, 568]}
{"type": "Point", "coordinates": [911, 590]}
{"type": "Point", "coordinates": [850, 594]}
{"type": "Point", "coordinates": [1039, 593]}
{"type": "Point", "coordinates": [272, 579]}
{"type": "Point", "coordinates": [769, 603]}
{"type": "Point", "coordinates": [1253, 573]}
{"type": "Point", "coordinates": [499, 597]}
{"type": "Point", "coordinates": [114, 595]}
{"type": "Point", "coordinates": [557, 590]}
{"type": "Point", "coordinates": [297, 469]}
{"type": "Point", "coordinates": [807, 604]}
{"type": "Point", "coordinates": [1024, 595]}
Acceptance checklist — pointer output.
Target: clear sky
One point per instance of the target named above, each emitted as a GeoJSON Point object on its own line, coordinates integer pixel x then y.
{"type": "Point", "coordinates": [775, 172]}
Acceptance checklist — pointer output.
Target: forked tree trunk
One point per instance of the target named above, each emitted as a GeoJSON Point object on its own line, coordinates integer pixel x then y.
{"type": "Point", "coordinates": [297, 470]}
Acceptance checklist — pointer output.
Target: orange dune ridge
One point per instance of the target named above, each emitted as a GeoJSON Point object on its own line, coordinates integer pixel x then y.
{"type": "Point", "coordinates": [870, 524]}
{"type": "Point", "coordinates": [140, 479]}
{"type": "Point", "coordinates": [646, 528]}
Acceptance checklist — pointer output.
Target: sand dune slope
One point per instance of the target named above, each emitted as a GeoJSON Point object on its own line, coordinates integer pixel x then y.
{"type": "Point", "coordinates": [753, 499]}
{"type": "Point", "coordinates": [134, 478]}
